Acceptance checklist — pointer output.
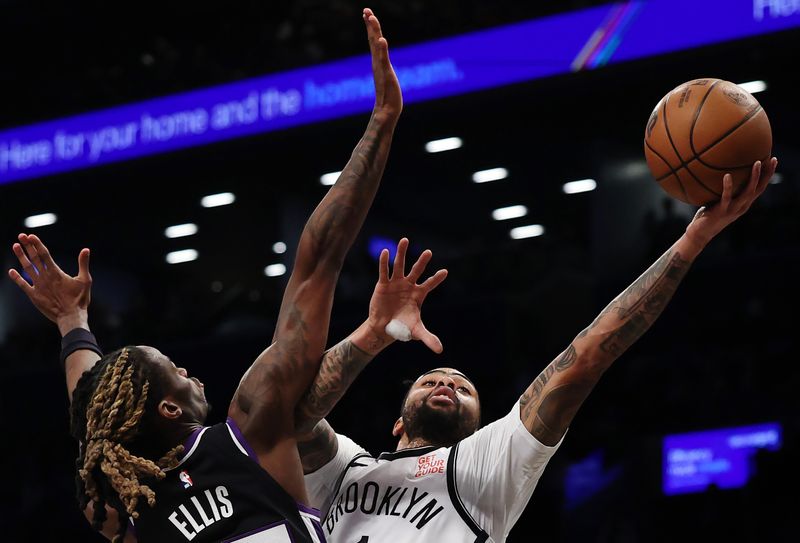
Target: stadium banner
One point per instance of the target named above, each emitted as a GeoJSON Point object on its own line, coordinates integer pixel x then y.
{"type": "Point", "coordinates": [569, 42]}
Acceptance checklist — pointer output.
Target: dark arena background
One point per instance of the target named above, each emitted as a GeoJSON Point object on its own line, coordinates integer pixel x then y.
{"type": "Point", "coordinates": [721, 363]}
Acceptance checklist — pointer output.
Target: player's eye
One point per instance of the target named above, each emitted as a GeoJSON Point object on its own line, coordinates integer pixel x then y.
{"type": "Point", "coordinates": [427, 383]}
{"type": "Point", "coordinates": [465, 390]}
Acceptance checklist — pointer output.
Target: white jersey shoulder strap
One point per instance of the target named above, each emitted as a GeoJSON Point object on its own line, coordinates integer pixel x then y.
{"type": "Point", "coordinates": [452, 489]}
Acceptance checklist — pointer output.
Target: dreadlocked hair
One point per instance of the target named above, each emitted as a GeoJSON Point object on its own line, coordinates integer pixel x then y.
{"type": "Point", "coordinates": [113, 410]}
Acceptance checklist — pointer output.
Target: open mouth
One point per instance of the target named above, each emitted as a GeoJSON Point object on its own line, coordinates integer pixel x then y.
{"type": "Point", "coordinates": [443, 396]}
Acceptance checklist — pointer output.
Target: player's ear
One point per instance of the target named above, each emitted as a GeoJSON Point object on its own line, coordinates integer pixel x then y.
{"type": "Point", "coordinates": [169, 409]}
{"type": "Point", "coordinates": [398, 429]}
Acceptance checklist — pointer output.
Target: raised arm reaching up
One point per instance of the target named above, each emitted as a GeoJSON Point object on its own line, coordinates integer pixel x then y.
{"type": "Point", "coordinates": [396, 297]}
{"type": "Point", "coordinates": [265, 401]}
{"type": "Point", "coordinates": [552, 400]}
{"type": "Point", "coordinates": [263, 405]}
{"type": "Point", "coordinates": [61, 298]}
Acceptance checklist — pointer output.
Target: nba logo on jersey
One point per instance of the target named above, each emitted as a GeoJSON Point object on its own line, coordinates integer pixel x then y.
{"type": "Point", "coordinates": [184, 477]}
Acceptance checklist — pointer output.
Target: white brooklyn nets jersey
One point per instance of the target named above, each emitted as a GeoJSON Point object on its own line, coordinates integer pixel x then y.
{"type": "Point", "coordinates": [473, 491]}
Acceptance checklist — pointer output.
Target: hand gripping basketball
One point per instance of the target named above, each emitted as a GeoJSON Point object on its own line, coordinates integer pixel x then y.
{"type": "Point", "coordinates": [702, 130]}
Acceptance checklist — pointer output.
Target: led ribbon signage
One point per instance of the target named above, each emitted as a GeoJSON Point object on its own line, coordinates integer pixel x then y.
{"type": "Point", "coordinates": [579, 40]}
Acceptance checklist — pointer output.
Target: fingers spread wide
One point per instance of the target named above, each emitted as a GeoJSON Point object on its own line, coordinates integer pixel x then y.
{"type": "Point", "coordinates": [20, 281]}
{"type": "Point", "coordinates": [419, 266]}
{"type": "Point", "coordinates": [400, 259]}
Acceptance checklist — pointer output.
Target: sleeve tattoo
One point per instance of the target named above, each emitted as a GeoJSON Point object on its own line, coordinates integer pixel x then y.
{"type": "Point", "coordinates": [318, 448]}
{"type": "Point", "coordinates": [548, 410]}
{"type": "Point", "coordinates": [339, 368]}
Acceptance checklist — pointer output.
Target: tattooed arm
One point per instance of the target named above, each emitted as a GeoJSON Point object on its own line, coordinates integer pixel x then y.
{"type": "Point", "coordinates": [396, 297]}
{"type": "Point", "coordinates": [548, 406]}
{"type": "Point", "coordinates": [316, 439]}
{"type": "Point", "coordinates": [340, 366]}
{"type": "Point", "coordinates": [264, 403]}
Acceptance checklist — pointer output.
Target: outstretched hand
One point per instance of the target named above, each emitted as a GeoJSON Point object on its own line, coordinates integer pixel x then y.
{"type": "Point", "coordinates": [58, 296]}
{"type": "Point", "coordinates": [400, 297]}
{"type": "Point", "coordinates": [388, 97]}
{"type": "Point", "coordinates": [710, 221]}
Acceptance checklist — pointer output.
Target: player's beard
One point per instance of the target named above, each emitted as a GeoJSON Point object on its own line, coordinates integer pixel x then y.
{"type": "Point", "coordinates": [439, 427]}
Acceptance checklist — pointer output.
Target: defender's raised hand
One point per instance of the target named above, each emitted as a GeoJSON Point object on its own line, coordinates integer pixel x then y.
{"type": "Point", "coordinates": [400, 298]}
{"type": "Point", "coordinates": [58, 296]}
{"type": "Point", "coordinates": [396, 298]}
{"type": "Point", "coordinates": [388, 97]}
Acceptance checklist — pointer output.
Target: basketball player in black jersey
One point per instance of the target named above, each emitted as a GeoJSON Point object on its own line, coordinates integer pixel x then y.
{"type": "Point", "coordinates": [145, 458]}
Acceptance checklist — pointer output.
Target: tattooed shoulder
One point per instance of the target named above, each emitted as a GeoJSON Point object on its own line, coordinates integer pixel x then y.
{"type": "Point", "coordinates": [317, 448]}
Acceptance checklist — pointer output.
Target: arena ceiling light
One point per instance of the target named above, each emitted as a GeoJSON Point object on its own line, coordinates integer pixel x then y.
{"type": "Point", "coordinates": [181, 230]}
{"type": "Point", "coordinates": [530, 231]}
{"type": "Point", "coordinates": [754, 86]}
{"type": "Point", "coordinates": [493, 174]}
{"type": "Point", "coordinates": [216, 200]}
{"type": "Point", "coordinates": [445, 144]}
{"type": "Point", "coordinates": [510, 212]}
{"type": "Point", "coordinates": [329, 179]}
{"type": "Point", "coordinates": [43, 219]}
{"type": "Point", "coordinates": [279, 248]}
{"type": "Point", "coordinates": [274, 270]}
{"type": "Point", "coordinates": [582, 185]}
{"type": "Point", "coordinates": [186, 255]}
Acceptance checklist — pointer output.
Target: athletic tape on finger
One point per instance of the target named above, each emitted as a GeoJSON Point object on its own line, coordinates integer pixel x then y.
{"type": "Point", "coordinates": [398, 330]}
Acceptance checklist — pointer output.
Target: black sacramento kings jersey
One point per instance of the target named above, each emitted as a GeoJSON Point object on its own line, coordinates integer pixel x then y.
{"type": "Point", "coordinates": [219, 493]}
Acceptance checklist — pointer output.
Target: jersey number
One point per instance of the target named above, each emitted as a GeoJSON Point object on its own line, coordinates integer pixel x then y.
{"type": "Point", "coordinates": [364, 539]}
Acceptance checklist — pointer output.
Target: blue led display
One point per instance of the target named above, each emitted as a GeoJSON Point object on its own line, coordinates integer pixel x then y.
{"type": "Point", "coordinates": [723, 458]}
{"type": "Point", "coordinates": [544, 47]}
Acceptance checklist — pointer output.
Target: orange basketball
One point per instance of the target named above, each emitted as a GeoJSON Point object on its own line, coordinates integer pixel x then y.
{"type": "Point", "coordinates": [702, 130]}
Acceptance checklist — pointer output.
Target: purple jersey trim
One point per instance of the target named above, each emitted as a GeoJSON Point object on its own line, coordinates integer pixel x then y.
{"type": "Point", "coordinates": [189, 443]}
{"type": "Point", "coordinates": [309, 510]}
{"type": "Point", "coordinates": [318, 529]}
{"type": "Point", "coordinates": [240, 438]}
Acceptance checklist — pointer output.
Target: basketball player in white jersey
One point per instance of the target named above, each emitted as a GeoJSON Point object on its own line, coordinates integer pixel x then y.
{"type": "Point", "coordinates": [449, 481]}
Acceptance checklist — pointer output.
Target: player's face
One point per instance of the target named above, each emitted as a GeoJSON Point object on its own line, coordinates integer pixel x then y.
{"type": "Point", "coordinates": [442, 407]}
{"type": "Point", "coordinates": [188, 392]}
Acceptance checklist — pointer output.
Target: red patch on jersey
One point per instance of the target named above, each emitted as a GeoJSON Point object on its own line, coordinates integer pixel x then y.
{"type": "Point", "coordinates": [429, 465]}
